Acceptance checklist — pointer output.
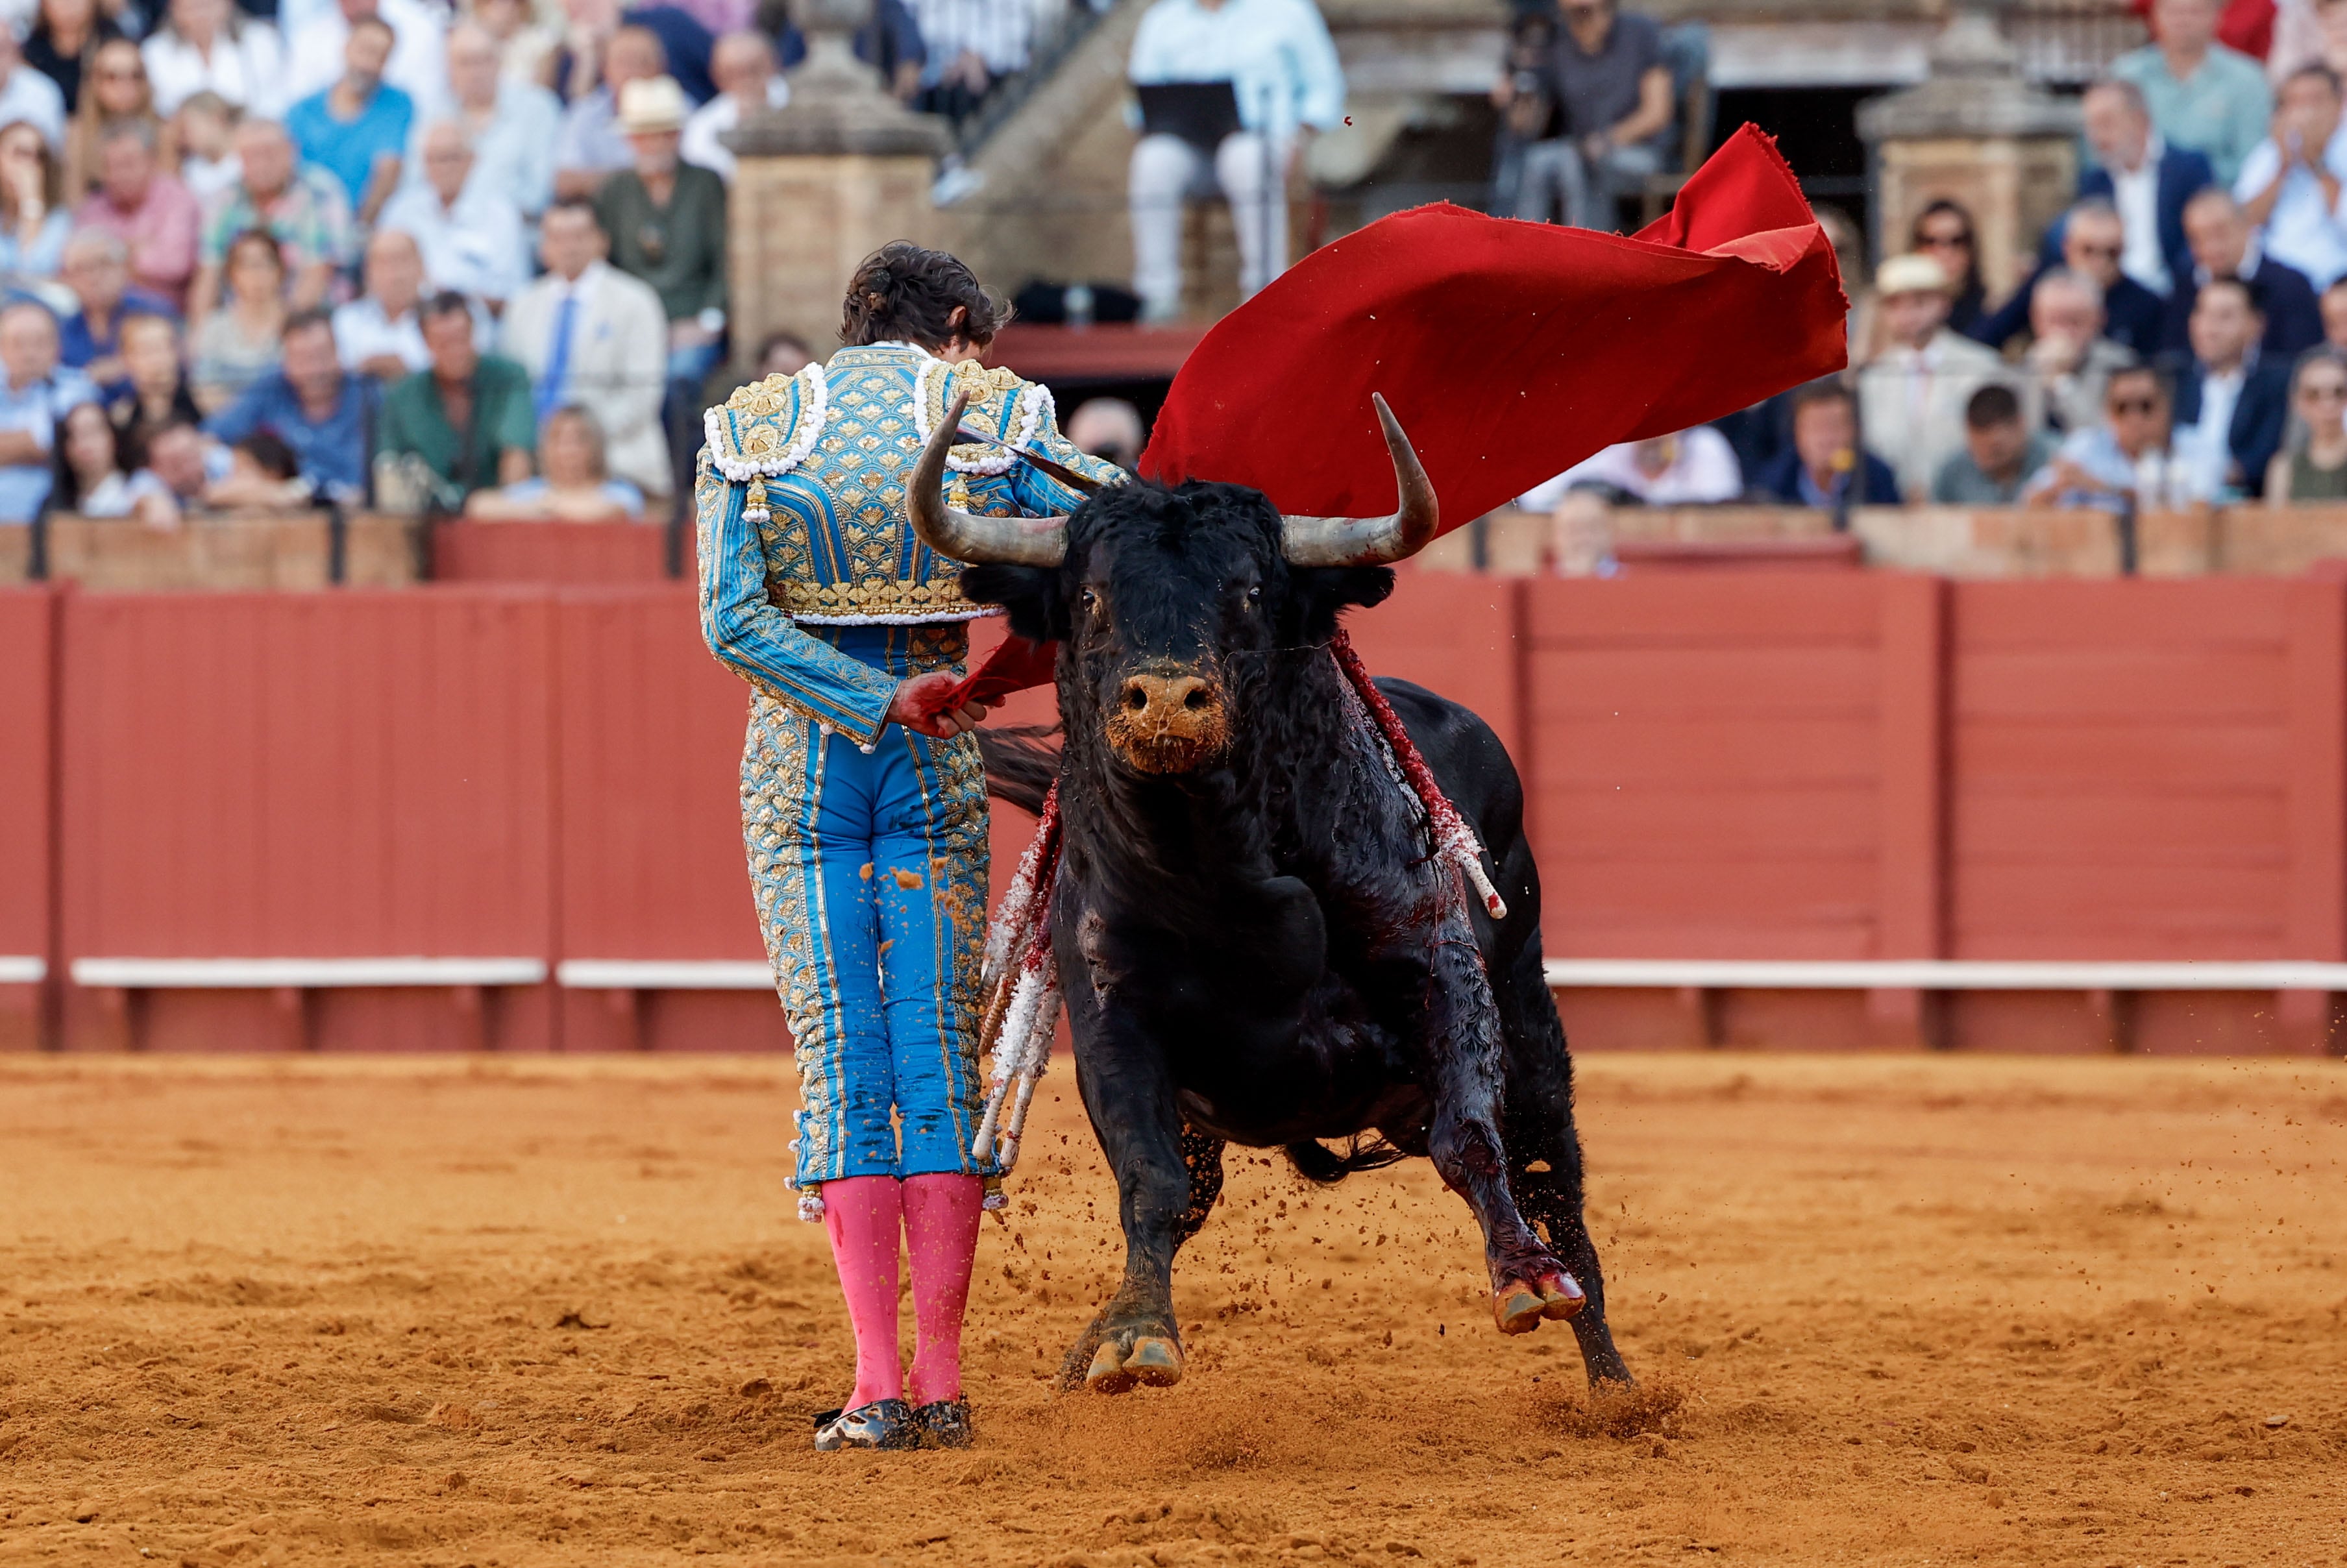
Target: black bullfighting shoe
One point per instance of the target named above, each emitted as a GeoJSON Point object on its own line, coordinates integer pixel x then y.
{"type": "Point", "coordinates": [882, 1424]}
{"type": "Point", "coordinates": [944, 1424]}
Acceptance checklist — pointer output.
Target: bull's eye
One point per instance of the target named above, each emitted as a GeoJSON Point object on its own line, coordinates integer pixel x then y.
{"type": "Point", "coordinates": [1255, 594]}
{"type": "Point", "coordinates": [1088, 601]}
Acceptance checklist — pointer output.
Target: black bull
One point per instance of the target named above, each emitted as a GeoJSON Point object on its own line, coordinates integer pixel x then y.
{"type": "Point", "coordinates": [1254, 943]}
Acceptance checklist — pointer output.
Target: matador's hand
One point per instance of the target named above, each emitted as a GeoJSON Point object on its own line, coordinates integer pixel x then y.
{"type": "Point", "coordinates": [916, 703]}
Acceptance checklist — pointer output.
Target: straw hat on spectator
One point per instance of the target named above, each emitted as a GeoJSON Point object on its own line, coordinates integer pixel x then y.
{"type": "Point", "coordinates": [652, 106]}
{"type": "Point", "coordinates": [1910, 274]}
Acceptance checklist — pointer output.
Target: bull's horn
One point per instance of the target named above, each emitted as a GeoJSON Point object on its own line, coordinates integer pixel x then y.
{"type": "Point", "coordinates": [966, 536]}
{"type": "Point", "coordinates": [1370, 541]}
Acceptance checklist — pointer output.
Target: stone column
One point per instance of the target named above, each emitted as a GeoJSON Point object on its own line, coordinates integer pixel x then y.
{"type": "Point", "coordinates": [839, 171]}
{"type": "Point", "coordinates": [1975, 133]}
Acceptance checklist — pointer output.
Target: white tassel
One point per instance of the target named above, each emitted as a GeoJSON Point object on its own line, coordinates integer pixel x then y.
{"type": "Point", "coordinates": [811, 1206]}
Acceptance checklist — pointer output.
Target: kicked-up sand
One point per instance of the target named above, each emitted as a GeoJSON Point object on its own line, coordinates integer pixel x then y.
{"type": "Point", "coordinates": [508, 1312]}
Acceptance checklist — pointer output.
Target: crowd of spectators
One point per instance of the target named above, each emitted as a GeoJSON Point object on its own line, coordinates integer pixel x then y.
{"type": "Point", "coordinates": [460, 255]}
{"type": "Point", "coordinates": [2180, 339]}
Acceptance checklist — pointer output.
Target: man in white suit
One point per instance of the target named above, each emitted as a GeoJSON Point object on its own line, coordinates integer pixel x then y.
{"type": "Point", "coordinates": [1911, 394]}
{"type": "Point", "coordinates": [589, 334]}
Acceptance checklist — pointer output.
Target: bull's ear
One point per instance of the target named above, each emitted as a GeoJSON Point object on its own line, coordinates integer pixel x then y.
{"type": "Point", "coordinates": [1031, 593]}
{"type": "Point", "coordinates": [1319, 592]}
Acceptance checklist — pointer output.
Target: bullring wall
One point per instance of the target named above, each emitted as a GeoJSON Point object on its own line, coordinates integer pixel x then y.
{"type": "Point", "coordinates": [1754, 764]}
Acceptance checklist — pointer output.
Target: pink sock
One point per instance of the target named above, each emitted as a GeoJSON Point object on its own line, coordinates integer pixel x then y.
{"type": "Point", "coordinates": [864, 1216]}
{"type": "Point", "coordinates": [941, 1235]}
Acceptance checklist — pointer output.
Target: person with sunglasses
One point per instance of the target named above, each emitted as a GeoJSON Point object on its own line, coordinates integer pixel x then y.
{"type": "Point", "coordinates": [2146, 181]}
{"type": "Point", "coordinates": [2128, 462]}
{"type": "Point", "coordinates": [2314, 466]}
{"type": "Point", "coordinates": [1944, 231]}
{"type": "Point", "coordinates": [2093, 239]}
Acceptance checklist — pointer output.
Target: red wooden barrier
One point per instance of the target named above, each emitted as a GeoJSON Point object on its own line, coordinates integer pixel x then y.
{"type": "Point", "coordinates": [543, 553]}
{"type": "Point", "coordinates": [25, 821]}
{"type": "Point", "coordinates": [354, 774]}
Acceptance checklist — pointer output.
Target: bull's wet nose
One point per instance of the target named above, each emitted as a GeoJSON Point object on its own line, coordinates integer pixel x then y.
{"type": "Point", "coordinates": [1164, 697]}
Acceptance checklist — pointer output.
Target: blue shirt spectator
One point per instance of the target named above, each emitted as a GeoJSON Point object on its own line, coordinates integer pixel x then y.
{"type": "Point", "coordinates": [2282, 188]}
{"type": "Point", "coordinates": [311, 403]}
{"type": "Point", "coordinates": [1821, 466]}
{"type": "Point", "coordinates": [34, 393]}
{"type": "Point", "coordinates": [98, 269]}
{"type": "Point", "coordinates": [357, 129]}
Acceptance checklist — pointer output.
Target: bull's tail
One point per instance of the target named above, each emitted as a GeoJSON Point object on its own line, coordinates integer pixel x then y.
{"type": "Point", "coordinates": [1318, 1163]}
{"type": "Point", "coordinates": [1020, 768]}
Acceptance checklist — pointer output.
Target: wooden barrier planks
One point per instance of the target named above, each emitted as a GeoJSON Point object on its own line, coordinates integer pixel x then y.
{"type": "Point", "coordinates": [358, 774]}
{"type": "Point", "coordinates": [552, 553]}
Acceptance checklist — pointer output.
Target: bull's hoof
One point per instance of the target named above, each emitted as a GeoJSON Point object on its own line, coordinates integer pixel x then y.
{"type": "Point", "coordinates": [1517, 1307]}
{"type": "Point", "coordinates": [1561, 1297]}
{"type": "Point", "coordinates": [1154, 1361]}
{"type": "Point", "coordinates": [1157, 1362]}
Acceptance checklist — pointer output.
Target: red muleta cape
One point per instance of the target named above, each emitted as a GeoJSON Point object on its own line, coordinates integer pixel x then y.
{"type": "Point", "coordinates": [1510, 351]}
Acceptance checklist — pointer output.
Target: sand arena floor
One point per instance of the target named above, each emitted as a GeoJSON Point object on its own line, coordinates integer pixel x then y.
{"type": "Point", "coordinates": [1888, 1311]}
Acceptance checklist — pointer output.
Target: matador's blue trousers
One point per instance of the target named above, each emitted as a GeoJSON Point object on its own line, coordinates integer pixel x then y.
{"type": "Point", "coordinates": [870, 875]}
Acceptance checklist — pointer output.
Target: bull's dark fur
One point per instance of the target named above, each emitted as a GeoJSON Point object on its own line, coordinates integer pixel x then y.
{"type": "Point", "coordinates": [1258, 950]}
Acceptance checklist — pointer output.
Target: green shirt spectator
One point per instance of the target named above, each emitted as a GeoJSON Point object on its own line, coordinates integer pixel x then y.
{"type": "Point", "coordinates": [467, 416]}
{"type": "Point", "coordinates": [677, 246]}
{"type": "Point", "coordinates": [2201, 94]}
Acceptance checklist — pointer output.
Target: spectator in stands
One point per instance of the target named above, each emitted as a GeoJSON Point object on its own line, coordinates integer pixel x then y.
{"type": "Point", "coordinates": [313, 404]}
{"type": "Point", "coordinates": [2001, 453]}
{"type": "Point", "coordinates": [1825, 458]}
{"type": "Point", "coordinates": [417, 64]}
{"type": "Point", "coordinates": [666, 223]}
{"type": "Point", "coordinates": [467, 418]}
{"type": "Point", "coordinates": [1911, 394]}
{"type": "Point", "coordinates": [593, 147]}
{"type": "Point", "coordinates": [1612, 92]}
{"type": "Point", "coordinates": [685, 46]}
{"type": "Point", "coordinates": [149, 212]}
{"type": "Point", "coordinates": [2201, 94]}
{"type": "Point", "coordinates": [98, 269]}
{"type": "Point", "coordinates": [90, 477]}
{"type": "Point", "coordinates": [207, 45]}
{"type": "Point", "coordinates": [33, 235]}
{"type": "Point", "coordinates": [301, 209]}
{"type": "Point", "coordinates": [511, 125]}
{"type": "Point", "coordinates": [34, 393]}
{"type": "Point", "coordinates": [970, 45]}
{"type": "Point", "coordinates": [187, 463]}
{"type": "Point", "coordinates": [1694, 467]}
{"type": "Point", "coordinates": [154, 390]}
{"type": "Point", "coordinates": [2128, 462]}
{"type": "Point", "coordinates": [2225, 246]}
{"type": "Point", "coordinates": [747, 84]}
{"type": "Point", "coordinates": [1107, 427]}
{"type": "Point", "coordinates": [2230, 405]}
{"type": "Point", "coordinates": [2069, 358]}
{"type": "Point", "coordinates": [1278, 58]}
{"type": "Point", "coordinates": [576, 486]}
{"type": "Point", "coordinates": [26, 95]}
{"type": "Point", "coordinates": [64, 42]}
{"type": "Point", "coordinates": [2313, 466]}
{"type": "Point", "coordinates": [890, 43]}
{"type": "Point", "coordinates": [593, 337]}
{"type": "Point", "coordinates": [205, 133]}
{"type": "Point", "coordinates": [785, 354]}
{"type": "Point", "coordinates": [379, 334]}
{"type": "Point", "coordinates": [356, 130]}
{"type": "Point", "coordinates": [2289, 188]}
{"type": "Point", "coordinates": [1580, 540]}
{"type": "Point", "coordinates": [1944, 231]}
{"type": "Point", "coordinates": [263, 473]}
{"type": "Point", "coordinates": [525, 46]}
{"type": "Point", "coordinates": [2093, 239]}
{"type": "Point", "coordinates": [239, 344]}
{"type": "Point", "coordinates": [114, 93]}
{"type": "Point", "coordinates": [2146, 179]}
{"type": "Point", "coordinates": [471, 236]}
